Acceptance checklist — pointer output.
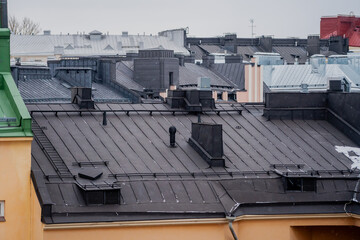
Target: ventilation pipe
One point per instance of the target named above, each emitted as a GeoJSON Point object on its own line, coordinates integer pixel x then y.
{"type": "Point", "coordinates": [172, 131]}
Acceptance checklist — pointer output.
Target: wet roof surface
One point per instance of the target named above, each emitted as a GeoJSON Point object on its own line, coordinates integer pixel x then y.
{"type": "Point", "coordinates": [54, 90]}
{"type": "Point", "coordinates": [159, 182]}
{"type": "Point", "coordinates": [189, 74]}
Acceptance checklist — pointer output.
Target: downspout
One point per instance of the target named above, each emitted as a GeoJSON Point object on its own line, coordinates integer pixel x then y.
{"type": "Point", "coordinates": [354, 198]}
{"type": "Point", "coordinates": [231, 219]}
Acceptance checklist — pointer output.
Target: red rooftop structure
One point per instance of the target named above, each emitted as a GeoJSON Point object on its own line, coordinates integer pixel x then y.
{"type": "Point", "coordinates": [348, 25]}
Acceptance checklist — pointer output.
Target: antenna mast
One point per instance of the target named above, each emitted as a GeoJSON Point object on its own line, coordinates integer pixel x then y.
{"type": "Point", "coordinates": [252, 28]}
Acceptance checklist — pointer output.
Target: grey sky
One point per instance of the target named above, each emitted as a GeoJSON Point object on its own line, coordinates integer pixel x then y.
{"type": "Point", "coordinates": [280, 18]}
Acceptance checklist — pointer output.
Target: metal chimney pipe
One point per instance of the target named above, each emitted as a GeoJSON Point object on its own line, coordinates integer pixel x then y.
{"type": "Point", "coordinates": [4, 14]}
{"type": "Point", "coordinates": [172, 131]}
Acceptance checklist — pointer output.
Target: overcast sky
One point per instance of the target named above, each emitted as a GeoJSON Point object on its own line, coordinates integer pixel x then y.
{"type": "Point", "coordinates": [280, 18]}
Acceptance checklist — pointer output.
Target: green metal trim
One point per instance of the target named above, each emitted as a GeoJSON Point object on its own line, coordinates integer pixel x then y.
{"type": "Point", "coordinates": [14, 104]}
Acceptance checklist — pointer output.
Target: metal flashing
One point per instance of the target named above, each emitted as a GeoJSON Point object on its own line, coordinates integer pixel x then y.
{"type": "Point", "coordinates": [16, 121]}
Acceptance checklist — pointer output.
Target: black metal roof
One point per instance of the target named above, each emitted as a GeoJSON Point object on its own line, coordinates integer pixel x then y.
{"type": "Point", "coordinates": [50, 90]}
{"type": "Point", "coordinates": [158, 182]}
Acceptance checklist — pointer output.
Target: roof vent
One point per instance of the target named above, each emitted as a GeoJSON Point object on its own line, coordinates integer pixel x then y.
{"type": "Point", "coordinates": [206, 139]}
{"type": "Point", "coordinates": [69, 47]}
{"type": "Point", "coordinates": [192, 100]}
{"type": "Point", "coordinates": [108, 47]}
{"type": "Point", "coordinates": [335, 84]}
{"type": "Point", "coordinates": [91, 174]}
{"type": "Point", "coordinates": [95, 35]}
{"type": "Point", "coordinates": [100, 195]}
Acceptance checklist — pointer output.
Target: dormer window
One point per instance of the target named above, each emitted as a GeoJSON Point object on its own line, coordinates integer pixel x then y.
{"type": "Point", "coordinates": [300, 184]}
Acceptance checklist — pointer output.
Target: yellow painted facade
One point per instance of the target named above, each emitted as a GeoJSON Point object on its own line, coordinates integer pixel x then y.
{"type": "Point", "coordinates": [302, 227]}
{"type": "Point", "coordinates": [16, 189]}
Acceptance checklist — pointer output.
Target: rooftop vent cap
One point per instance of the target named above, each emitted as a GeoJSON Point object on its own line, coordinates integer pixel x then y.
{"type": "Point", "coordinates": [172, 131]}
{"type": "Point", "coordinates": [95, 35]}
{"type": "Point", "coordinates": [99, 195]}
{"type": "Point", "coordinates": [91, 174]}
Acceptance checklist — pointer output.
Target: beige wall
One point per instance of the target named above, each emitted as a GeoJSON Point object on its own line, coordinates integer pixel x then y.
{"type": "Point", "coordinates": [15, 185]}
{"type": "Point", "coordinates": [302, 227]}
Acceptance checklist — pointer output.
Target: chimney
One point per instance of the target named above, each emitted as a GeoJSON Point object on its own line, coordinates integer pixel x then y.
{"type": "Point", "coordinates": [124, 34]}
{"type": "Point", "coordinates": [82, 97]}
{"type": "Point", "coordinates": [313, 45]}
{"type": "Point", "coordinates": [4, 14]}
{"type": "Point", "coordinates": [318, 65]}
{"type": "Point", "coordinates": [339, 45]}
{"type": "Point", "coordinates": [266, 43]}
{"type": "Point", "coordinates": [47, 32]}
{"type": "Point", "coordinates": [181, 60]}
{"type": "Point", "coordinates": [208, 60]}
{"type": "Point", "coordinates": [206, 139]}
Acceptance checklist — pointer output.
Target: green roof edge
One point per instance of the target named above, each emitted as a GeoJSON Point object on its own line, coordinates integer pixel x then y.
{"type": "Point", "coordinates": [12, 92]}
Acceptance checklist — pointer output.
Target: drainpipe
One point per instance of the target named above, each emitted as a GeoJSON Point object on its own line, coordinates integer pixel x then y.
{"type": "Point", "coordinates": [231, 219]}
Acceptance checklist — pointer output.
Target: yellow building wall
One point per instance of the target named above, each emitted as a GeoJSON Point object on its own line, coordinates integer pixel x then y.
{"type": "Point", "coordinates": [247, 228]}
{"type": "Point", "coordinates": [15, 188]}
{"type": "Point", "coordinates": [37, 227]}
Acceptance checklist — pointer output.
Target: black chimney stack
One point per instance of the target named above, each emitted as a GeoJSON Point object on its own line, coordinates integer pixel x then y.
{"type": "Point", "coordinates": [4, 14]}
{"type": "Point", "coordinates": [207, 141]}
{"type": "Point", "coordinates": [172, 131]}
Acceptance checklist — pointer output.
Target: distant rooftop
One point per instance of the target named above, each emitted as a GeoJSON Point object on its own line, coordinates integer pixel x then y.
{"type": "Point", "coordinates": [93, 43]}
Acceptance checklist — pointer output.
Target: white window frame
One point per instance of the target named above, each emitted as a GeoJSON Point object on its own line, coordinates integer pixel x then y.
{"type": "Point", "coordinates": [2, 208]}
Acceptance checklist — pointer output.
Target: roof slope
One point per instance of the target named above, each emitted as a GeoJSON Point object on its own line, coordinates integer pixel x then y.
{"type": "Point", "coordinates": [82, 45]}
{"type": "Point", "coordinates": [290, 53]}
{"type": "Point", "coordinates": [159, 182]}
{"type": "Point", "coordinates": [235, 72]}
{"type": "Point", "coordinates": [51, 90]}
{"type": "Point", "coordinates": [292, 76]}
{"type": "Point", "coordinates": [125, 75]}
{"type": "Point", "coordinates": [189, 74]}
{"type": "Point", "coordinates": [247, 52]}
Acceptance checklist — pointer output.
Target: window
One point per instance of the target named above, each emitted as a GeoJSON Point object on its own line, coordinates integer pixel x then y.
{"type": "Point", "coordinates": [300, 184]}
{"type": "Point", "coordinates": [2, 208]}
